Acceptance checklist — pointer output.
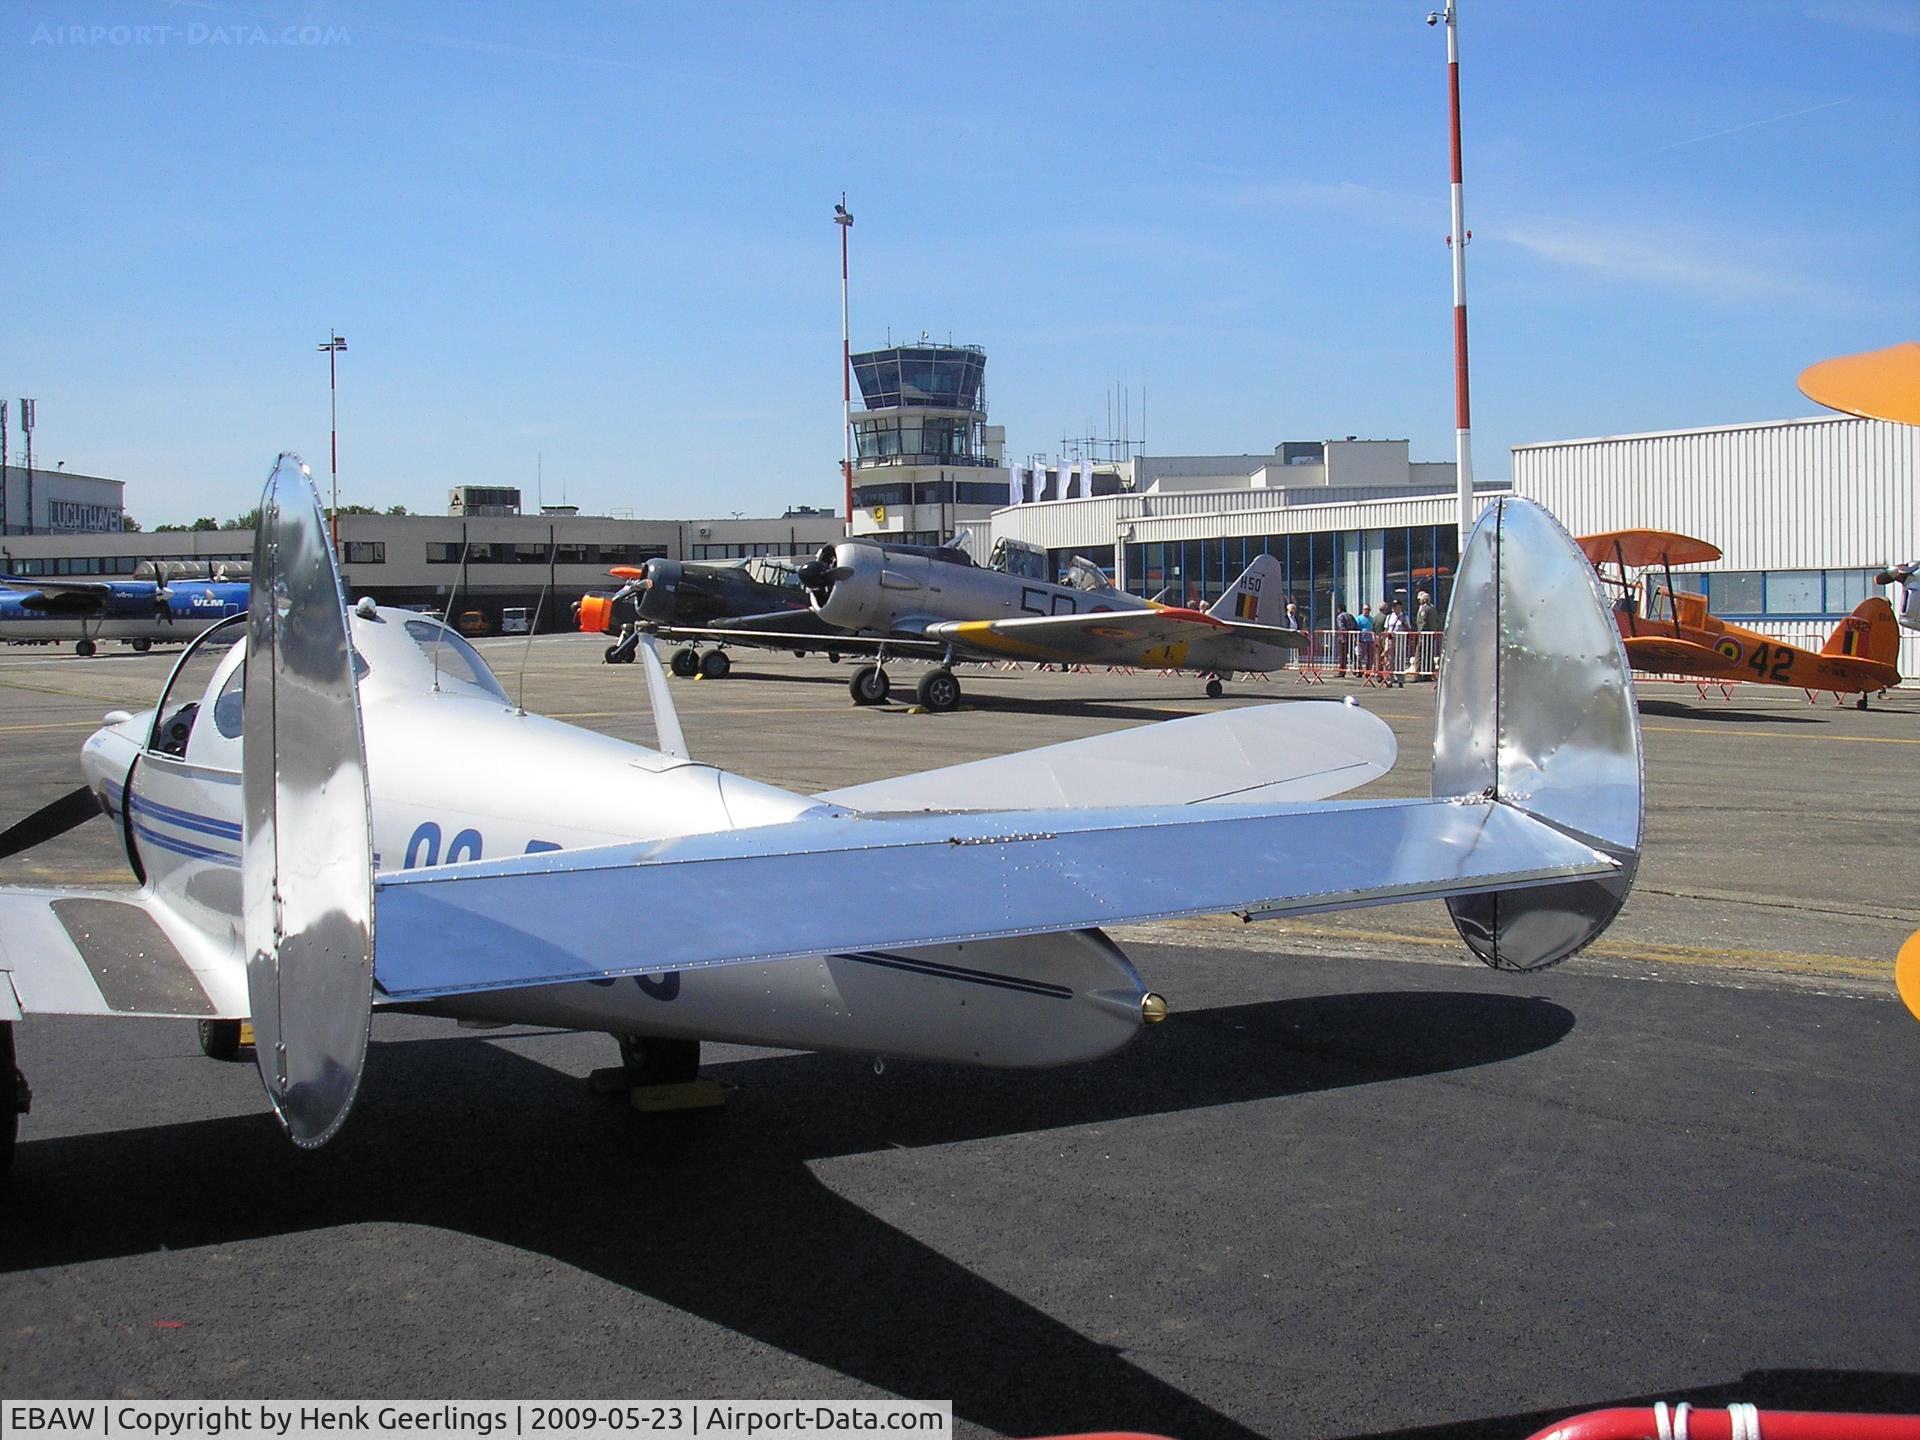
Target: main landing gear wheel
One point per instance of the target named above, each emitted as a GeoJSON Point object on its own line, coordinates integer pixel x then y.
{"type": "Point", "coordinates": [85, 647]}
{"type": "Point", "coordinates": [220, 1039]}
{"type": "Point", "coordinates": [1214, 688]}
{"type": "Point", "coordinates": [685, 661]}
{"type": "Point", "coordinates": [649, 1060]}
{"type": "Point", "coordinates": [715, 665]}
{"type": "Point", "coordinates": [1861, 703]}
{"type": "Point", "coordinates": [938, 691]}
{"type": "Point", "coordinates": [868, 686]}
{"type": "Point", "coordinates": [140, 647]}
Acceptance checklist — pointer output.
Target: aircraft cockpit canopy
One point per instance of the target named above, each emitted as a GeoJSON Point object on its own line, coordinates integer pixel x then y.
{"type": "Point", "coordinates": [779, 570]}
{"type": "Point", "coordinates": [1082, 574]}
{"type": "Point", "coordinates": [1016, 557]}
{"type": "Point", "coordinates": [458, 661]}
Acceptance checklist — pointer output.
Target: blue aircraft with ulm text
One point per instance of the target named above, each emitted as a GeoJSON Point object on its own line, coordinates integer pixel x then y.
{"type": "Point", "coordinates": [41, 609]}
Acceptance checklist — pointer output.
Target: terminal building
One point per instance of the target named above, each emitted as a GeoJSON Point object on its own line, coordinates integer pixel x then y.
{"type": "Point", "coordinates": [58, 502]}
{"type": "Point", "coordinates": [487, 557]}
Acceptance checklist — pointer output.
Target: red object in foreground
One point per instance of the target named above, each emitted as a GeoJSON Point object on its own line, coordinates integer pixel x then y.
{"type": "Point", "coordinates": [1736, 1422]}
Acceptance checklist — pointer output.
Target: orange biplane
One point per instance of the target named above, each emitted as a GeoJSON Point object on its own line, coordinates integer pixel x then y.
{"type": "Point", "coordinates": [1674, 634]}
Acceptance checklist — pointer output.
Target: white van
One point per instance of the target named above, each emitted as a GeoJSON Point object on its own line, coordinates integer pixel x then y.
{"type": "Point", "coordinates": [514, 621]}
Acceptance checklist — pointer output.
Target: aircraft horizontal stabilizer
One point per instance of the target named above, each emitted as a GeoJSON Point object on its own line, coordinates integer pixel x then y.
{"type": "Point", "coordinates": [71, 952]}
{"type": "Point", "coordinates": [832, 884]}
{"type": "Point", "coordinates": [1293, 751]}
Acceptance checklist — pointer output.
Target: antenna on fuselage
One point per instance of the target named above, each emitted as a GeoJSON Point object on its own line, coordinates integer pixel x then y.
{"type": "Point", "coordinates": [446, 620]}
{"type": "Point", "coordinates": [539, 609]}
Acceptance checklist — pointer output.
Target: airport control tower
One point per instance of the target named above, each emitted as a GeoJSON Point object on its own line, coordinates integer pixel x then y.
{"type": "Point", "coordinates": [925, 459]}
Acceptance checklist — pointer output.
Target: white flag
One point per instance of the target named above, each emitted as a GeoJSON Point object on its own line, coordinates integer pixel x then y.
{"type": "Point", "coordinates": [1016, 485]}
{"type": "Point", "coordinates": [1086, 479]}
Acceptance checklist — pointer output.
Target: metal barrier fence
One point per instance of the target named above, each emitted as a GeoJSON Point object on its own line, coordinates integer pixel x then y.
{"type": "Point", "coordinates": [1371, 657]}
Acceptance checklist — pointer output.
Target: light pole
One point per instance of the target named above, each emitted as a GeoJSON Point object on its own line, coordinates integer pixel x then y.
{"type": "Point", "coordinates": [843, 217]}
{"type": "Point", "coordinates": [1457, 241]}
{"type": "Point", "coordinates": [333, 345]}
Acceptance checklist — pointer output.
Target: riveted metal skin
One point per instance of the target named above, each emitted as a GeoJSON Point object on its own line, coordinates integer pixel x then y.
{"type": "Point", "coordinates": [1537, 711]}
{"type": "Point", "coordinates": [307, 853]}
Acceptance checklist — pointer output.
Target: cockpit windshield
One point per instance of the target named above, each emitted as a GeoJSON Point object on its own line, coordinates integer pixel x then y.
{"type": "Point", "coordinates": [1014, 557]}
{"type": "Point", "coordinates": [1083, 574]}
{"type": "Point", "coordinates": [458, 661]}
{"type": "Point", "coordinates": [774, 570]}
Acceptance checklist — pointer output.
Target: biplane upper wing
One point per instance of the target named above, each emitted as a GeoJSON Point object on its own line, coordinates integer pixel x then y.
{"type": "Point", "coordinates": [1637, 549]}
{"type": "Point", "coordinates": [1116, 637]}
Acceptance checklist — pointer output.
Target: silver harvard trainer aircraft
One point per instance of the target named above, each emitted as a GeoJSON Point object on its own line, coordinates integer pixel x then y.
{"type": "Point", "coordinates": [351, 815]}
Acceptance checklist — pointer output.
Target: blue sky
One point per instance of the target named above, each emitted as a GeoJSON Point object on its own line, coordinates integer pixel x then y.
{"type": "Point", "coordinates": [603, 233]}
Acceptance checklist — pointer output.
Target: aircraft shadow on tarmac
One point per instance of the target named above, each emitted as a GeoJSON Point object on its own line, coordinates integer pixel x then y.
{"type": "Point", "coordinates": [726, 1220]}
{"type": "Point", "coordinates": [1680, 710]}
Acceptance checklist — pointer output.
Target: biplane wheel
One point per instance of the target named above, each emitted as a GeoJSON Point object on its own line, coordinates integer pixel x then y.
{"type": "Point", "coordinates": [1214, 688]}
{"type": "Point", "coordinates": [1861, 703]}
{"type": "Point", "coordinates": [938, 691]}
{"type": "Point", "coordinates": [140, 647]}
{"type": "Point", "coordinates": [85, 647]}
{"type": "Point", "coordinates": [715, 665]}
{"type": "Point", "coordinates": [219, 1039]}
{"type": "Point", "coordinates": [651, 1060]}
{"type": "Point", "coordinates": [868, 686]}
{"type": "Point", "coordinates": [686, 660]}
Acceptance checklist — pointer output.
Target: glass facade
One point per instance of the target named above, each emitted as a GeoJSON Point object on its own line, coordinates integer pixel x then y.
{"type": "Point", "coordinates": [943, 377]}
{"type": "Point", "coordinates": [1323, 568]}
{"type": "Point", "coordinates": [919, 440]}
{"type": "Point", "coordinates": [447, 552]}
{"type": "Point", "coordinates": [930, 492]}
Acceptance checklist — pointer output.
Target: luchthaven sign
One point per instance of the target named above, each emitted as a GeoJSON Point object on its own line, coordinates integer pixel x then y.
{"type": "Point", "coordinates": [79, 515]}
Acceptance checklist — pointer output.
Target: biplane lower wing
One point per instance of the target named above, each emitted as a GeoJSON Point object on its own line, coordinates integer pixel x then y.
{"type": "Point", "coordinates": [546, 919]}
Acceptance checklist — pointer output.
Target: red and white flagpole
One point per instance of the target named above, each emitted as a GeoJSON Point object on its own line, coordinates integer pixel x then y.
{"type": "Point", "coordinates": [1457, 242]}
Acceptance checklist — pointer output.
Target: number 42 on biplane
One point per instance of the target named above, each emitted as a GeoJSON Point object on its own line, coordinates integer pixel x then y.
{"type": "Point", "coordinates": [1669, 632]}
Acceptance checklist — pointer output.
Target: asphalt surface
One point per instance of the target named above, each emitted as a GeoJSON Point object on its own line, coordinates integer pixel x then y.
{"type": "Point", "coordinates": [1355, 1186]}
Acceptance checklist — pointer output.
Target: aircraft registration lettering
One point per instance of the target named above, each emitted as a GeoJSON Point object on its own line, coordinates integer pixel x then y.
{"type": "Point", "coordinates": [423, 847]}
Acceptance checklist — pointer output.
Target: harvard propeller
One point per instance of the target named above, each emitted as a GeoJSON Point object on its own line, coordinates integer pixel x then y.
{"type": "Point", "coordinates": [351, 815]}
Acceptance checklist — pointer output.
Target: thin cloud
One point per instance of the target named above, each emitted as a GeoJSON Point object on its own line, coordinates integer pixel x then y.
{"type": "Point", "coordinates": [1703, 139]}
{"type": "Point", "coordinates": [529, 52]}
{"type": "Point", "coordinates": [1885, 17]}
{"type": "Point", "coordinates": [1642, 257]}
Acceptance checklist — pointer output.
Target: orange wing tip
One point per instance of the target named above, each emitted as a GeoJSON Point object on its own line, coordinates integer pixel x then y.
{"type": "Point", "coordinates": [626, 572]}
{"type": "Point", "coordinates": [1906, 973]}
{"type": "Point", "coordinates": [1877, 384]}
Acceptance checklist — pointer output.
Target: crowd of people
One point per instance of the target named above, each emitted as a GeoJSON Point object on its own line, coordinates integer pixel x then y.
{"type": "Point", "coordinates": [1388, 641]}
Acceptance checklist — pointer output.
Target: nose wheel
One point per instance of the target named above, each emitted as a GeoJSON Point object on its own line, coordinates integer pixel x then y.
{"type": "Point", "coordinates": [869, 686]}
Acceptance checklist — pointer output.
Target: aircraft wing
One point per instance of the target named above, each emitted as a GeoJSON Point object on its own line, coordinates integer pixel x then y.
{"type": "Point", "coordinates": [834, 883]}
{"type": "Point", "coordinates": [112, 952]}
{"type": "Point", "coordinates": [60, 597]}
{"type": "Point", "coordinates": [1669, 655]}
{"type": "Point", "coordinates": [1119, 637]}
{"type": "Point", "coordinates": [1299, 750]}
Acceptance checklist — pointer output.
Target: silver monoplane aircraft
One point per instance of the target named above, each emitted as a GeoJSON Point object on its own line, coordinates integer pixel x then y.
{"type": "Point", "coordinates": [934, 603]}
{"type": "Point", "coordinates": [350, 814]}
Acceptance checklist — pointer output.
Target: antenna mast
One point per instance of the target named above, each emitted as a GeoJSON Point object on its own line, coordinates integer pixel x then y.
{"type": "Point", "coordinates": [1457, 241]}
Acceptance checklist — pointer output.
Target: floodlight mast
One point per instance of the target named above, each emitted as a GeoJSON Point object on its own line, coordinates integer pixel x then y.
{"type": "Point", "coordinates": [843, 217]}
{"type": "Point", "coordinates": [1457, 242]}
{"type": "Point", "coordinates": [333, 345]}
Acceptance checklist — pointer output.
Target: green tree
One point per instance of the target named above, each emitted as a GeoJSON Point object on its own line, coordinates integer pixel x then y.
{"type": "Point", "coordinates": [205, 522]}
{"type": "Point", "coordinates": [128, 524]}
{"type": "Point", "coordinates": [248, 521]}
